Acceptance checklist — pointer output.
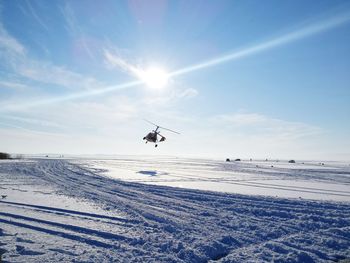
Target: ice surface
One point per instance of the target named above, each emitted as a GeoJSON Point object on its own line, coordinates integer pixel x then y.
{"type": "Point", "coordinates": [77, 211]}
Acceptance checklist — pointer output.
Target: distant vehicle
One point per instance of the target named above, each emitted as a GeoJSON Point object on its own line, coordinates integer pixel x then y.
{"type": "Point", "coordinates": [153, 135]}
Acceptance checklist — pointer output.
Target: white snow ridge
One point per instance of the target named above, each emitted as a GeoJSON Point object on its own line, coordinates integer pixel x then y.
{"type": "Point", "coordinates": [55, 210]}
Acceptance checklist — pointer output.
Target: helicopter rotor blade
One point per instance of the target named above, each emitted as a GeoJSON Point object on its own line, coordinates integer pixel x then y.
{"type": "Point", "coordinates": [161, 126]}
{"type": "Point", "coordinates": [168, 130]}
{"type": "Point", "coordinates": [150, 122]}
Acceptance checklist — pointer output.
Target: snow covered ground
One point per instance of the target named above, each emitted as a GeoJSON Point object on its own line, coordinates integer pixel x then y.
{"type": "Point", "coordinates": [311, 180]}
{"type": "Point", "coordinates": [123, 210]}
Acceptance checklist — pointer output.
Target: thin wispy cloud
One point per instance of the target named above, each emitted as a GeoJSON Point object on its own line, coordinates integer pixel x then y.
{"type": "Point", "coordinates": [63, 98]}
{"type": "Point", "coordinates": [115, 61]}
{"type": "Point", "coordinates": [30, 131]}
{"type": "Point", "coordinates": [73, 28]}
{"type": "Point", "coordinates": [36, 16]}
{"type": "Point", "coordinates": [9, 43]}
{"type": "Point", "coordinates": [243, 119]}
{"type": "Point", "coordinates": [13, 85]}
{"type": "Point", "coordinates": [16, 57]}
{"type": "Point", "coordinates": [70, 20]}
{"type": "Point", "coordinates": [35, 121]}
{"type": "Point", "coordinates": [170, 98]}
{"type": "Point", "coordinates": [45, 72]}
{"type": "Point", "coordinates": [187, 93]}
{"type": "Point", "coordinates": [265, 125]}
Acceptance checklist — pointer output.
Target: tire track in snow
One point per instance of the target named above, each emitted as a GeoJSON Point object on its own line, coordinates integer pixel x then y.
{"type": "Point", "coordinates": [79, 229]}
{"type": "Point", "coordinates": [60, 211]}
{"type": "Point", "coordinates": [58, 233]}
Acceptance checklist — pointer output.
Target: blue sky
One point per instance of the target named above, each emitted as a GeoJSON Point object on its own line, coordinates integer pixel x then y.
{"type": "Point", "coordinates": [249, 79]}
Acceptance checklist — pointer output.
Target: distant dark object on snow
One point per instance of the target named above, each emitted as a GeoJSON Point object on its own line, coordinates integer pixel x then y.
{"type": "Point", "coordinates": [4, 156]}
{"type": "Point", "coordinates": [3, 196]}
{"type": "Point", "coordinates": [250, 159]}
{"type": "Point", "coordinates": [18, 156]}
{"type": "Point", "coordinates": [271, 166]}
{"type": "Point", "coordinates": [151, 173]}
{"type": "Point", "coordinates": [266, 160]}
{"type": "Point", "coordinates": [291, 161]}
{"type": "Point", "coordinates": [228, 160]}
{"type": "Point", "coordinates": [237, 160]}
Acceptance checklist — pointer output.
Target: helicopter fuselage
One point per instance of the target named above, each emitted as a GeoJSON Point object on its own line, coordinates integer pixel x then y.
{"type": "Point", "coordinates": [151, 137]}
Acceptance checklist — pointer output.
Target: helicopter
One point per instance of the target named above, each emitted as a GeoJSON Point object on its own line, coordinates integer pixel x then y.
{"type": "Point", "coordinates": [153, 135]}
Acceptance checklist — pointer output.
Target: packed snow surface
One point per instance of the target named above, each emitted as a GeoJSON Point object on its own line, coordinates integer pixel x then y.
{"type": "Point", "coordinates": [144, 210]}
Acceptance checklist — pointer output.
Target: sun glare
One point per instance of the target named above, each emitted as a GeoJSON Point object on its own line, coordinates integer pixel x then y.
{"type": "Point", "coordinates": [155, 78]}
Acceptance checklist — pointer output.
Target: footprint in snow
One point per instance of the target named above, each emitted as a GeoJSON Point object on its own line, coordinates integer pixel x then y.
{"type": "Point", "coordinates": [23, 251]}
{"type": "Point", "coordinates": [18, 239]}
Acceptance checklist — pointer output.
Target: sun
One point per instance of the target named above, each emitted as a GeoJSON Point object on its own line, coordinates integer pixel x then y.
{"type": "Point", "coordinates": [155, 78]}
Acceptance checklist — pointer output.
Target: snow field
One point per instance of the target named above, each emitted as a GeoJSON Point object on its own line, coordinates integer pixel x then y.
{"type": "Point", "coordinates": [71, 211]}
